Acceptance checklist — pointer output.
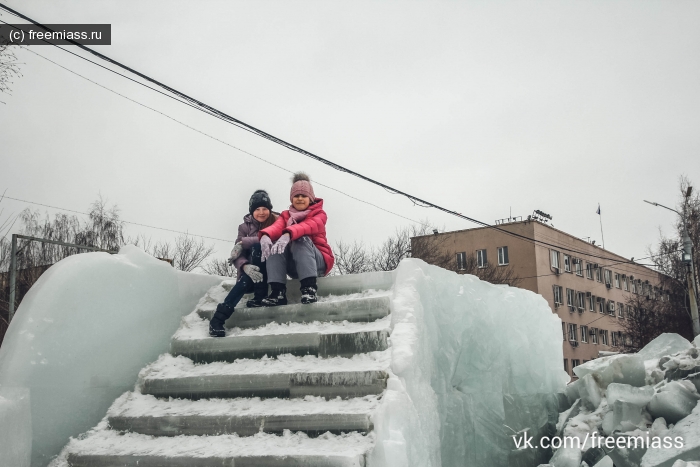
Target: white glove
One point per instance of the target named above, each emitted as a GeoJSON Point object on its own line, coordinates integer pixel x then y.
{"type": "Point", "coordinates": [280, 245]}
{"type": "Point", "coordinates": [235, 252]}
{"type": "Point", "coordinates": [265, 245]}
{"type": "Point", "coordinates": [253, 272]}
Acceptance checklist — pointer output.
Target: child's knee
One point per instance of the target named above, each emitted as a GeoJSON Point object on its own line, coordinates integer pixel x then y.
{"type": "Point", "coordinates": [303, 242]}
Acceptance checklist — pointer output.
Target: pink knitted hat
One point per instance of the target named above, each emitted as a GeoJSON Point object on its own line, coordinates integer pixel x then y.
{"type": "Point", "coordinates": [301, 185]}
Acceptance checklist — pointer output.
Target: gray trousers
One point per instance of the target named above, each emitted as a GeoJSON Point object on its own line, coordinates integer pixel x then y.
{"type": "Point", "coordinates": [301, 259]}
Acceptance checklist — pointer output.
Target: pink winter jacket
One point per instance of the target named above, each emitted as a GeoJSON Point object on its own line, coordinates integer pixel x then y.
{"type": "Point", "coordinates": [314, 226]}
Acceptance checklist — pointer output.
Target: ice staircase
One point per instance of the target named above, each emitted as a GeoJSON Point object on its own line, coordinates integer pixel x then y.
{"type": "Point", "coordinates": [288, 386]}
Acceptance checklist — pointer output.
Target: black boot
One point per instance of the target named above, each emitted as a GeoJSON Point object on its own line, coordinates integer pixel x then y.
{"type": "Point", "coordinates": [260, 294]}
{"type": "Point", "coordinates": [308, 290]}
{"type": "Point", "coordinates": [216, 325]}
{"type": "Point", "coordinates": [278, 295]}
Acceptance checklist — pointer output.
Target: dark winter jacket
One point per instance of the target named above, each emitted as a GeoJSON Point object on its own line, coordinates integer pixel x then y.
{"type": "Point", "coordinates": [314, 226]}
{"type": "Point", "coordinates": [248, 236]}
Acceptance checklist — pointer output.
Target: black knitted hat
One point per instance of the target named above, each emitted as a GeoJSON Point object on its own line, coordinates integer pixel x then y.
{"type": "Point", "coordinates": [260, 199]}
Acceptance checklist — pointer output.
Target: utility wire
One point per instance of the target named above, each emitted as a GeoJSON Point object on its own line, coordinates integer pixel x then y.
{"type": "Point", "coordinates": [213, 137]}
{"type": "Point", "coordinates": [212, 110]}
{"type": "Point", "coordinates": [237, 148]}
{"type": "Point", "coordinates": [126, 222]}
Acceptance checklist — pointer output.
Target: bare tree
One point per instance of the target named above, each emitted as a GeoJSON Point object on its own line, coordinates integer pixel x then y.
{"type": "Point", "coordinates": [9, 67]}
{"type": "Point", "coordinates": [351, 258]}
{"type": "Point", "coordinates": [647, 318]}
{"type": "Point", "coordinates": [104, 230]}
{"type": "Point", "coordinates": [219, 267]}
{"type": "Point", "coordinates": [190, 253]}
{"type": "Point", "coordinates": [650, 317]}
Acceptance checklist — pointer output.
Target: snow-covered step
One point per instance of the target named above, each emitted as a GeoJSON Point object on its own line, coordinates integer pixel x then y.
{"type": "Point", "coordinates": [348, 308]}
{"type": "Point", "coordinates": [284, 377]}
{"type": "Point", "coordinates": [325, 339]}
{"type": "Point", "coordinates": [145, 414]}
{"type": "Point", "coordinates": [108, 448]}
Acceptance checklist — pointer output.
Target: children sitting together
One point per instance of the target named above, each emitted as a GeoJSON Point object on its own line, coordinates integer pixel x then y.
{"type": "Point", "coordinates": [269, 247]}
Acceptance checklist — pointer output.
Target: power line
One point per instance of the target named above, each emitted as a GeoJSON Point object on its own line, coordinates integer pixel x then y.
{"type": "Point", "coordinates": [247, 152]}
{"type": "Point", "coordinates": [126, 222]}
{"type": "Point", "coordinates": [210, 136]}
{"type": "Point", "coordinates": [212, 110]}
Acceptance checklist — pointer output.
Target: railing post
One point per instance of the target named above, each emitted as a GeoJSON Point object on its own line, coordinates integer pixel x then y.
{"type": "Point", "coordinates": [13, 277]}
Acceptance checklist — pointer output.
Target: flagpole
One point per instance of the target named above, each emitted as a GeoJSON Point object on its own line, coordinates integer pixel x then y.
{"type": "Point", "coordinates": [600, 216]}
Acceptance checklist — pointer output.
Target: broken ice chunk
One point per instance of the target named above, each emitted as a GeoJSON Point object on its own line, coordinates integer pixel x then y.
{"type": "Point", "coordinates": [666, 344]}
{"type": "Point", "coordinates": [626, 369]}
{"type": "Point", "coordinates": [590, 391]}
{"type": "Point", "coordinates": [566, 457]}
{"type": "Point", "coordinates": [571, 391]}
{"type": "Point", "coordinates": [680, 463]}
{"type": "Point", "coordinates": [658, 428]}
{"type": "Point", "coordinates": [686, 443]}
{"type": "Point", "coordinates": [674, 401]}
{"type": "Point", "coordinates": [607, 425]}
{"type": "Point", "coordinates": [593, 455]}
{"type": "Point", "coordinates": [604, 462]}
{"type": "Point", "coordinates": [625, 392]}
{"type": "Point", "coordinates": [628, 416]}
{"type": "Point", "coordinates": [630, 456]}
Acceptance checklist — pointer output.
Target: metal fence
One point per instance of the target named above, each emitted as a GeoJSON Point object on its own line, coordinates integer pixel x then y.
{"type": "Point", "coordinates": [13, 263]}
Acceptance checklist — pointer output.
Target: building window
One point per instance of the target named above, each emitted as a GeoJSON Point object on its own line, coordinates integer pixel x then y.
{"type": "Point", "coordinates": [591, 303]}
{"type": "Point", "coordinates": [589, 271]}
{"type": "Point", "coordinates": [581, 300]}
{"type": "Point", "coordinates": [570, 299]}
{"type": "Point", "coordinates": [574, 363]}
{"type": "Point", "coordinates": [481, 261]}
{"type": "Point", "coordinates": [578, 266]}
{"type": "Point", "coordinates": [625, 283]}
{"type": "Point", "coordinates": [557, 295]}
{"type": "Point", "coordinates": [567, 263]}
{"type": "Point", "coordinates": [603, 333]}
{"type": "Point", "coordinates": [566, 365]}
{"type": "Point", "coordinates": [629, 310]}
{"type": "Point", "coordinates": [611, 308]}
{"type": "Point", "coordinates": [597, 273]}
{"type": "Point", "coordinates": [554, 254]}
{"type": "Point", "coordinates": [584, 333]}
{"type": "Point", "coordinates": [594, 336]}
{"type": "Point", "coordinates": [502, 255]}
{"type": "Point", "coordinates": [608, 276]}
{"type": "Point", "coordinates": [573, 332]}
{"type": "Point", "coordinates": [617, 340]}
{"type": "Point", "coordinates": [617, 280]}
{"type": "Point", "coordinates": [634, 285]}
{"type": "Point", "coordinates": [563, 330]}
{"type": "Point", "coordinates": [461, 261]}
{"type": "Point", "coordinates": [601, 305]}
{"type": "Point", "coordinates": [620, 310]}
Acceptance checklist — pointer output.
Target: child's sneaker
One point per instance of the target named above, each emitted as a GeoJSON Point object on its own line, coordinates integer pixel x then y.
{"type": "Point", "coordinates": [277, 297]}
{"type": "Point", "coordinates": [308, 295]}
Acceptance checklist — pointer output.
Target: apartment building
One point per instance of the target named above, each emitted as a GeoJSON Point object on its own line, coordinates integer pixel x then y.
{"type": "Point", "coordinates": [585, 285]}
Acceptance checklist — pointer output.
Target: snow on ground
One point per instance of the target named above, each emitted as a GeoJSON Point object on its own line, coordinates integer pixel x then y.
{"type": "Point", "coordinates": [194, 327]}
{"type": "Point", "coordinates": [135, 404]}
{"type": "Point", "coordinates": [168, 366]}
{"type": "Point", "coordinates": [101, 440]}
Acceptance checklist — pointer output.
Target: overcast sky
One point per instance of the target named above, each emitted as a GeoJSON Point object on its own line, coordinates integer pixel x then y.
{"type": "Point", "coordinates": [481, 107]}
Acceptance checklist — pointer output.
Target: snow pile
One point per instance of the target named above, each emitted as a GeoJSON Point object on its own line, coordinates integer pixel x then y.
{"type": "Point", "coordinates": [635, 410]}
{"type": "Point", "coordinates": [472, 364]}
{"type": "Point", "coordinates": [80, 337]}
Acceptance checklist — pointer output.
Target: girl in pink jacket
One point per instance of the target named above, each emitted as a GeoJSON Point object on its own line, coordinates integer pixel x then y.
{"type": "Point", "coordinates": [296, 244]}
